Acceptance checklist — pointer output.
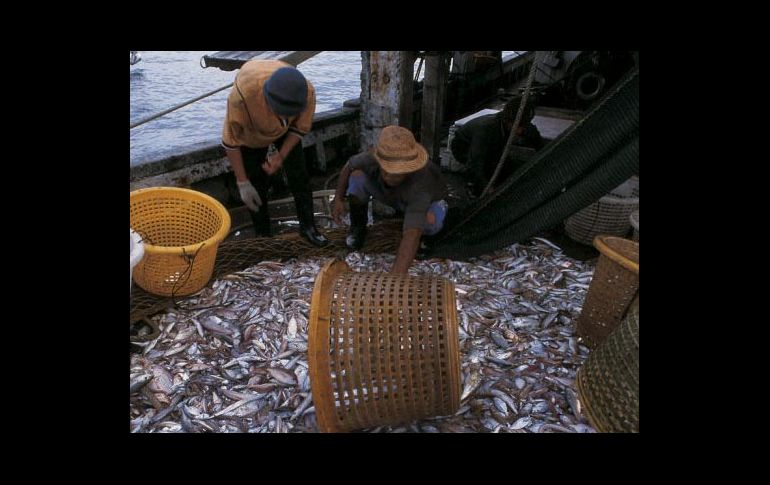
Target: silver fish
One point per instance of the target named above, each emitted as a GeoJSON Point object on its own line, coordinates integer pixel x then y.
{"type": "Point", "coordinates": [519, 353]}
{"type": "Point", "coordinates": [282, 376]}
{"type": "Point", "coordinates": [139, 382]}
{"type": "Point", "coordinates": [522, 423]}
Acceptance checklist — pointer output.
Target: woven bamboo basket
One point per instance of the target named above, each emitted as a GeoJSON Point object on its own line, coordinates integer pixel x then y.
{"type": "Point", "coordinates": [383, 349]}
{"type": "Point", "coordinates": [181, 230]}
{"type": "Point", "coordinates": [614, 286]}
{"type": "Point", "coordinates": [608, 382]}
{"type": "Point", "coordinates": [609, 215]}
{"type": "Point", "coordinates": [634, 220]}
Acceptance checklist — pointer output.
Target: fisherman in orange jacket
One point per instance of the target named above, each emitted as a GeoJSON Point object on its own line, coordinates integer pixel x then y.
{"type": "Point", "coordinates": [269, 110]}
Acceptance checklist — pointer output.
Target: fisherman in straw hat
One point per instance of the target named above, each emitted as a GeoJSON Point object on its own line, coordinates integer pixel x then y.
{"type": "Point", "coordinates": [396, 172]}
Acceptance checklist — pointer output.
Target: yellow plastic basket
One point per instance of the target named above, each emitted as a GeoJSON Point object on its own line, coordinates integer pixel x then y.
{"type": "Point", "coordinates": [181, 230]}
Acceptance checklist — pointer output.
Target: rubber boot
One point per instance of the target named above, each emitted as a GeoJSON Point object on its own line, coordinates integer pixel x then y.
{"type": "Point", "coordinates": [261, 220]}
{"type": "Point", "coordinates": [307, 229]}
{"type": "Point", "coordinates": [358, 219]}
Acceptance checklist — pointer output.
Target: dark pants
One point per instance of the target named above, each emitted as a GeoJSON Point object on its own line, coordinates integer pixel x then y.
{"type": "Point", "coordinates": [296, 173]}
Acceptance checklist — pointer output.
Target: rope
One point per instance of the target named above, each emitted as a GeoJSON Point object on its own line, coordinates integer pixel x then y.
{"type": "Point", "coordinates": [174, 108]}
{"type": "Point", "coordinates": [190, 261]}
{"type": "Point", "coordinates": [596, 154]}
{"type": "Point", "coordinates": [516, 123]}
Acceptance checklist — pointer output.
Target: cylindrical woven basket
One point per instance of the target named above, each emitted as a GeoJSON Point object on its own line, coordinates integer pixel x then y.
{"type": "Point", "coordinates": [382, 349]}
{"type": "Point", "coordinates": [609, 215]}
{"type": "Point", "coordinates": [634, 220]}
{"type": "Point", "coordinates": [608, 382]}
{"type": "Point", "coordinates": [614, 286]}
{"type": "Point", "coordinates": [181, 230]}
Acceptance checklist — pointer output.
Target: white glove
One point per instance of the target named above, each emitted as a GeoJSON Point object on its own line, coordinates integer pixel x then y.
{"type": "Point", "coordinates": [249, 195]}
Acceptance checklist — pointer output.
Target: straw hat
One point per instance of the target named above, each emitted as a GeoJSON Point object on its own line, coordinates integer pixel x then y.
{"type": "Point", "coordinates": [397, 151]}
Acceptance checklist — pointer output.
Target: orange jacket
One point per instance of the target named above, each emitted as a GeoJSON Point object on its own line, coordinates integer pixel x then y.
{"type": "Point", "coordinates": [249, 120]}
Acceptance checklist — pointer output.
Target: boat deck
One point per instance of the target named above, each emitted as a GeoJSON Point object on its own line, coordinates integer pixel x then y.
{"type": "Point", "coordinates": [232, 60]}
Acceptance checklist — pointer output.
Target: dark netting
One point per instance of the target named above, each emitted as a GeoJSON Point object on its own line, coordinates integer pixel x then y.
{"type": "Point", "coordinates": [595, 155]}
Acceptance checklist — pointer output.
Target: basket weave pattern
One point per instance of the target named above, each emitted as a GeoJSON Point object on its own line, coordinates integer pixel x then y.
{"type": "Point", "coordinates": [608, 383]}
{"type": "Point", "coordinates": [614, 285]}
{"type": "Point", "coordinates": [609, 215]}
{"type": "Point", "coordinates": [383, 348]}
{"type": "Point", "coordinates": [181, 230]}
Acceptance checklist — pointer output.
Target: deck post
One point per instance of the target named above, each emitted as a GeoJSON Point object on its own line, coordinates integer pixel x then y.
{"type": "Point", "coordinates": [434, 94]}
{"type": "Point", "coordinates": [387, 89]}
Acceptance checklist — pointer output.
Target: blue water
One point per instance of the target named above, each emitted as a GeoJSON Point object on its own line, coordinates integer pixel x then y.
{"type": "Point", "coordinates": [163, 79]}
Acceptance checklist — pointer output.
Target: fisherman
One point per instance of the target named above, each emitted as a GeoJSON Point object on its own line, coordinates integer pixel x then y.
{"type": "Point", "coordinates": [395, 172]}
{"type": "Point", "coordinates": [269, 110]}
{"type": "Point", "coordinates": [480, 143]}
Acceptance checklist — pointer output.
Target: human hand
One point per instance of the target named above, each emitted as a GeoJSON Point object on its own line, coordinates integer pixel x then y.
{"type": "Point", "coordinates": [273, 163]}
{"type": "Point", "coordinates": [249, 195]}
{"type": "Point", "coordinates": [338, 210]}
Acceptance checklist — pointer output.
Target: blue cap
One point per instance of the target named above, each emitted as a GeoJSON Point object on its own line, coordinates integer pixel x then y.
{"type": "Point", "coordinates": [286, 91]}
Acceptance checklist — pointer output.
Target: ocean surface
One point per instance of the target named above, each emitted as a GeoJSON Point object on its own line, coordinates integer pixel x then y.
{"type": "Point", "coordinates": [163, 79]}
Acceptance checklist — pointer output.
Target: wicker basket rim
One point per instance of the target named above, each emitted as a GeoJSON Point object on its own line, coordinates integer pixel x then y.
{"type": "Point", "coordinates": [318, 354]}
{"type": "Point", "coordinates": [603, 244]}
{"type": "Point", "coordinates": [616, 199]}
{"type": "Point", "coordinates": [218, 237]}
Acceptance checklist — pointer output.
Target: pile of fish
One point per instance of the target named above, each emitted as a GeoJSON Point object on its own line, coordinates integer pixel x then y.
{"type": "Point", "coordinates": [233, 358]}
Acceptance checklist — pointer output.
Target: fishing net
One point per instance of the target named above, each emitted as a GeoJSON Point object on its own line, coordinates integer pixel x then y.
{"type": "Point", "coordinates": [592, 157]}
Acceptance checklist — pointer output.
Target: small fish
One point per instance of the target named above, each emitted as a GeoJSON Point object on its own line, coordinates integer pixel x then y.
{"type": "Point", "coordinates": [549, 319]}
{"type": "Point", "coordinates": [236, 405]}
{"type": "Point", "coordinates": [554, 427]}
{"type": "Point", "coordinates": [473, 382]}
{"type": "Point", "coordinates": [301, 408]}
{"type": "Point", "coordinates": [522, 423]}
{"type": "Point", "coordinates": [546, 241]}
{"type": "Point", "coordinates": [505, 398]}
{"type": "Point", "coordinates": [499, 340]}
{"type": "Point", "coordinates": [238, 349]}
{"type": "Point", "coordinates": [176, 350]}
{"type": "Point", "coordinates": [198, 327]}
{"type": "Point", "coordinates": [582, 428]}
{"type": "Point", "coordinates": [139, 382]}
{"type": "Point", "coordinates": [573, 401]}
{"type": "Point", "coordinates": [216, 325]}
{"type": "Point", "coordinates": [262, 388]}
{"type": "Point", "coordinates": [495, 360]}
{"type": "Point", "coordinates": [162, 381]}
{"type": "Point", "coordinates": [282, 376]}
{"type": "Point", "coordinates": [500, 405]}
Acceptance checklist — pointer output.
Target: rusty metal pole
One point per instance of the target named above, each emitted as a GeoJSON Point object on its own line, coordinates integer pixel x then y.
{"type": "Point", "coordinates": [386, 92]}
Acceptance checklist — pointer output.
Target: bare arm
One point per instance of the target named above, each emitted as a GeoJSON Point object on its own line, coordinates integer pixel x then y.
{"type": "Point", "coordinates": [236, 162]}
{"type": "Point", "coordinates": [410, 241]}
{"type": "Point", "coordinates": [342, 188]}
{"type": "Point", "coordinates": [288, 145]}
